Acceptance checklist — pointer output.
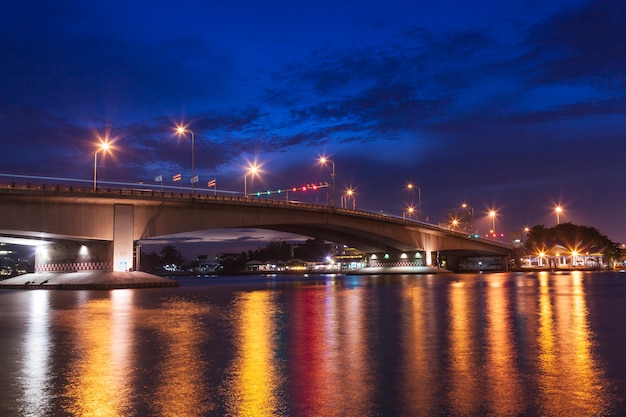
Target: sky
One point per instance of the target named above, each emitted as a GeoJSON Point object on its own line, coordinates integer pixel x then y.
{"type": "Point", "coordinates": [514, 106]}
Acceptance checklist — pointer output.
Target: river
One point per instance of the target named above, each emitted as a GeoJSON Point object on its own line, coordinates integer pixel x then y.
{"type": "Point", "coordinates": [502, 344]}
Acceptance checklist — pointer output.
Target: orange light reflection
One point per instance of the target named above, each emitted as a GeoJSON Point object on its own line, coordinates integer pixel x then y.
{"type": "Point", "coordinates": [254, 381]}
{"type": "Point", "coordinates": [465, 391]}
{"type": "Point", "coordinates": [181, 370]}
{"type": "Point", "coordinates": [100, 381]}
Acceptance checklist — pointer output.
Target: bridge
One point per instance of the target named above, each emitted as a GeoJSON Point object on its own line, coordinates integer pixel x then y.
{"type": "Point", "coordinates": [87, 229]}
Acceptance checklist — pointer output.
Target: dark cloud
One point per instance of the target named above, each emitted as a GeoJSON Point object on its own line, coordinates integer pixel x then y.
{"type": "Point", "coordinates": [586, 44]}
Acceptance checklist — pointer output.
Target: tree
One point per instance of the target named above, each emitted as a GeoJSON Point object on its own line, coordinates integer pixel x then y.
{"type": "Point", "coordinates": [569, 237]}
{"type": "Point", "coordinates": [274, 250]}
{"type": "Point", "coordinates": [171, 255]}
{"type": "Point", "coordinates": [314, 250]}
{"type": "Point", "coordinates": [232, 263]}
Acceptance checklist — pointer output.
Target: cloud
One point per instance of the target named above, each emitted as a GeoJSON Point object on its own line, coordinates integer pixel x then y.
{"type": "Point", "coordinates": [586, 44]}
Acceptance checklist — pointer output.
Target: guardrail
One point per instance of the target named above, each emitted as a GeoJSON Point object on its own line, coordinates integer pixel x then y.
{"type": "Point", "coordinates": [149, 194]}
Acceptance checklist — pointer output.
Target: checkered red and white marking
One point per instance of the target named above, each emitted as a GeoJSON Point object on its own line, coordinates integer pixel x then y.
{"type": "Point", "coordinates": [75, 266]}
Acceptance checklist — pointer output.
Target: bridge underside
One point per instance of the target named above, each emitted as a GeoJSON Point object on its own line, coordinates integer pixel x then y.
{"type": "Point", "coordinates": [360, 239]}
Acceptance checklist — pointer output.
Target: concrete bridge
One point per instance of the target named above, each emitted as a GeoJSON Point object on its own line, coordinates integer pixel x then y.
{"type": "Point", "coordinates": [90, 229]}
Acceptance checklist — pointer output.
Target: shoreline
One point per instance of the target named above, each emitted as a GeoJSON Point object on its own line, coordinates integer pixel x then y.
{"type": "Point", "coordinates": [86, 280]}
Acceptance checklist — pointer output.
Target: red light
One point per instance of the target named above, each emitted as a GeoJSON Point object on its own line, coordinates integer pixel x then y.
{"type": "Point", "coordinates": [494, 235]}
{"type": "Point", "coordinates": [304, 188]}
{"type": "Point", "coordinates": [294, 189]}
{"type": "Point", "coordinates": [501, 234]}
{"type": "Point", "coordinates": [314, 187]}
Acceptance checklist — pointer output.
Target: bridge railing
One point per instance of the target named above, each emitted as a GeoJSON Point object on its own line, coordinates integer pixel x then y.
{"type": "Point", "coordinates": [152, 194]}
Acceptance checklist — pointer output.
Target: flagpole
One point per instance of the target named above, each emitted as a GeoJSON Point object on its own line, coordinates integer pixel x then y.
{"type": "Point", "coordinates": [213, 183]}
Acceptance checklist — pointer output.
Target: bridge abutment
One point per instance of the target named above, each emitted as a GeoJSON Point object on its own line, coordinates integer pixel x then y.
{"type": "Point", "coordinates": [397, 259]}
{"type": "Point", "coordinates": [92, 255]}
{"type": "Point", "coordinates": [72, 256]}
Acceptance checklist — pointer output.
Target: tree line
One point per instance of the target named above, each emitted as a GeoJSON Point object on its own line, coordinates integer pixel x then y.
{"type": "Point", "coordinates": [568, 237]}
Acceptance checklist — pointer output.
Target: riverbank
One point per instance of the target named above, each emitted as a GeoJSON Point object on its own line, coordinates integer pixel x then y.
{"type": "Point", "coordinates": [87, 280]}
{"type": "Point", "coordinates": [377, 270]}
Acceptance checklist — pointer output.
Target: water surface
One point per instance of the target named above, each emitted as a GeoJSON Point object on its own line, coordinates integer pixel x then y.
{"type": "Point", "coordinates": [506, 344]}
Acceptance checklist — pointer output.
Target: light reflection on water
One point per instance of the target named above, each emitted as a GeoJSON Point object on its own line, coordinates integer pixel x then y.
{"type": "Point", "coordinates": [99, 379]}
{"type": "Point", "coordinates": [570, 380]}
{"type": "Point", "coordinates": [464, 350]}
{"type": "Point", "coordinates": [254, 381]}
{"type": "Point", "coordinates": [35, 364]}
{"type": "Point", "coordinates": [503, 381]}
{"type": "Point", "coordinates": [180, 371]}
{"type": "Point", "coordinates": [498, 344]}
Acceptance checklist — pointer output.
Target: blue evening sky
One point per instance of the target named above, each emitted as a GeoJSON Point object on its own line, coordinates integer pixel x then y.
{"type": "Point", "coordinates": [509, 105]}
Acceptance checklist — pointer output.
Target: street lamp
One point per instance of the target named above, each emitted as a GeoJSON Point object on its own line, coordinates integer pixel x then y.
{"type": "Point", "coordinates": [410, 210]}
{"type": "Point", "coordinates": [349, 194]}
{"type": "Point", "coordinates": [182, 130]}
{"type": "Point", "coordinates": [104, 146]}
{"type": "Point", "coordinates": [323, 161]}
{"type": "Point", "coordinates": [558, 210]}
{"type": "Point", "coordinates": [252, 170]}
{"type": "Point", "coordinates": [410, 187]}
{"type": "Point", "coordinates": [492, 214]}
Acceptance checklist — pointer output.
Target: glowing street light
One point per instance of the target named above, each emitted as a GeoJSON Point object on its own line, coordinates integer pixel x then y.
{"type": "Point", "coordinates": [105, 146]}
{"type": "Point", "coordinates": [182, 130]}
{"type": "Point", "coordinates": [349, 194]}
{"type": "Point", "coordinates": [492, 214]}
{"type": "Point", "coordinates": [558, 210]}
{"type": "Point", "coordinates": [323, 161]}
{"type": "Point", "coordinates": [410, 187]}
{"type": "Point", "coordinates": [252, 170]}
{"type": "Point", "coordinates": [410, 210]}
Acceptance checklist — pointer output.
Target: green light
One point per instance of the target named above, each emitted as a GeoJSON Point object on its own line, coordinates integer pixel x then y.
{"type": "Point", "coordinates": [279, 191]}
{"type": "Point", "coordinates": [269, 192]}
{"type": "Point", "coordinates": [258, 194]}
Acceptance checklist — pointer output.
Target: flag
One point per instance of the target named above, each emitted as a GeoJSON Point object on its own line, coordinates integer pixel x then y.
{"type": "Point", "coordinates": [159, 178]}
{"type": "Point", "coordinates": [177, 177]}
{"type": "Point", "coordinates": [194, 179]}
{"type": "Point", "coordinates": [211, 183]}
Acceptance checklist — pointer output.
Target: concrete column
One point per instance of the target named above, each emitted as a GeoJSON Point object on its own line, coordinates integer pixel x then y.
{"type": "Point", "coordinates": [123, 229]}
{"type": "Point", "coordinates": [428, 249]}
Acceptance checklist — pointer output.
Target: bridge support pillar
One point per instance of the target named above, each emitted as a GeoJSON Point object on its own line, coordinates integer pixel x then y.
{"type": "Point", "coordinates": [428, 249]}
{"type": "Point", "coordinates": [123, 241]}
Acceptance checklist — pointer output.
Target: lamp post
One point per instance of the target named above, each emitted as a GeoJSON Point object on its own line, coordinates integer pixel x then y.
{"type": "Point", "coordinates": [349, 194]}
{"type": "Point", "coordinates": [182, 130]}
{"type": "Point", "coordinates": [558, 210]}
{"type": "Point", "coordinates": [104, 146]}
{"type": "Point", "coordinates": [410, 187]}
{"type": "Point", "coordinates": [323, 161]}
{"type": "Point", "coordinates": [252, 169]}
{"type": "Point", "coordinates": [410, 210]}
{"type": "Point", "coordinates": [492, 214]}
